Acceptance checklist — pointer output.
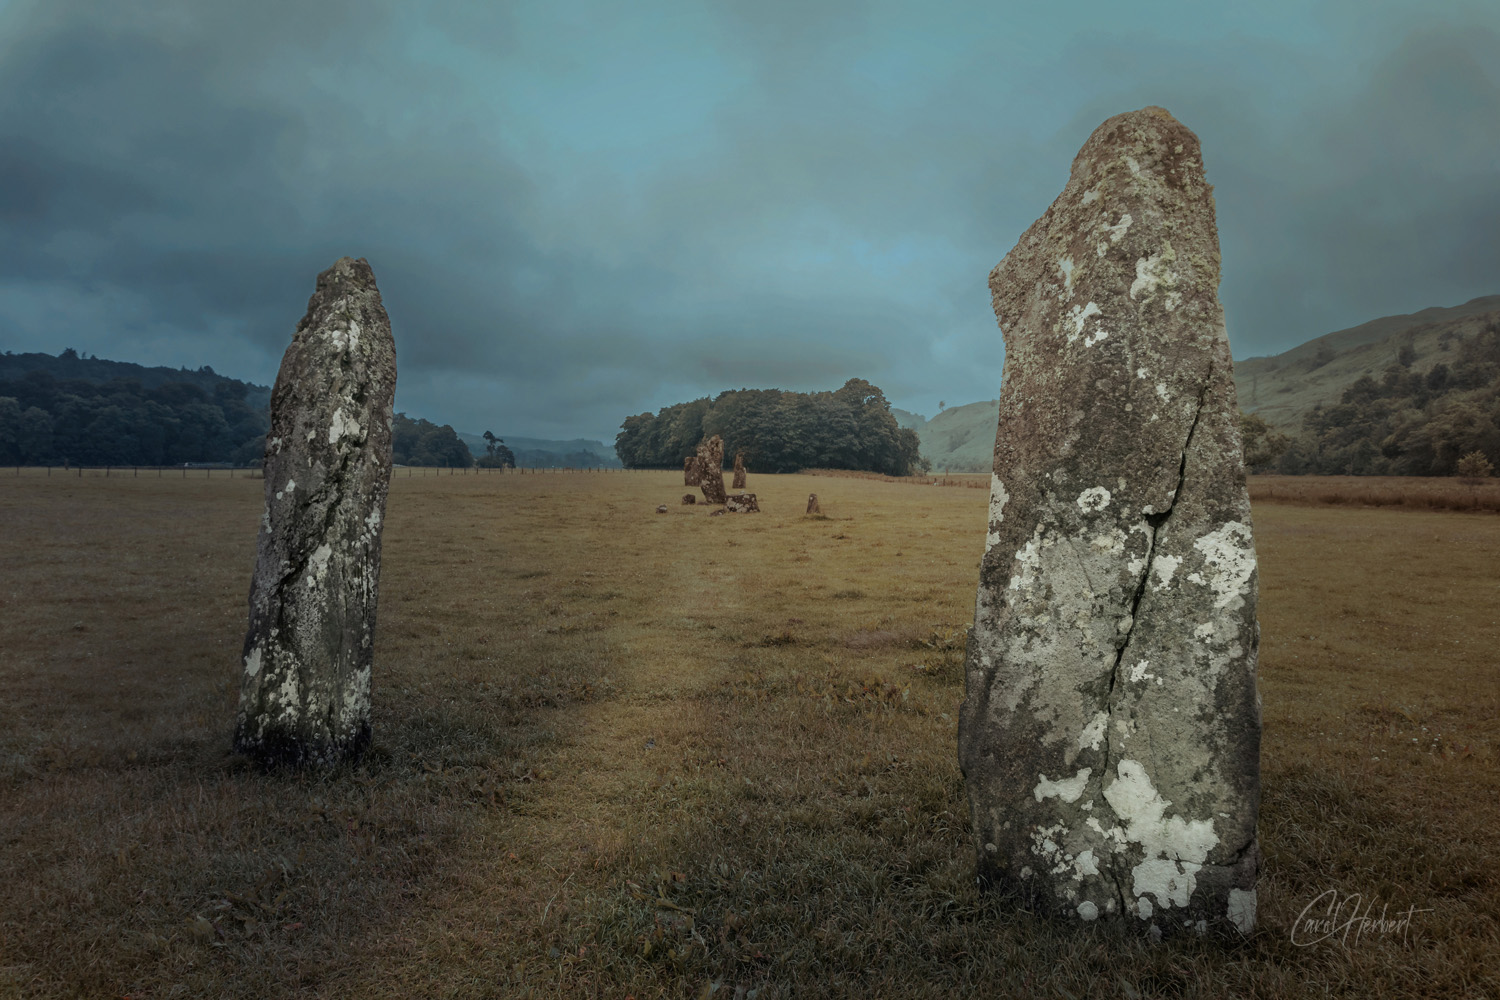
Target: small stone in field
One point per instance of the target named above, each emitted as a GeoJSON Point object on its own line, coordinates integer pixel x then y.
{"type": "Point", "coordinates": [741, 503]}
{"type": "Point", "coordinates": [812, 504]}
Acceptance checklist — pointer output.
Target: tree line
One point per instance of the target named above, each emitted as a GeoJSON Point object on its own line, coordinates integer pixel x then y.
{"type": "Point", "coordinates": [45, 420]}
{"type": "Point", "coordinates": [778, 431]}
{"type": "Point", "coordinates": [1406, 423]}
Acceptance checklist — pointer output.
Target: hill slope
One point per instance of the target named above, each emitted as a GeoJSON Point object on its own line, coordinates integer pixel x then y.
{"type": "Point", "coordinates": [1283, 388]}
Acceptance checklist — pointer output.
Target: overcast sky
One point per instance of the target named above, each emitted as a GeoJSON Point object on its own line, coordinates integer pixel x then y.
{"type": "Point", "coordinates": [580, 211]}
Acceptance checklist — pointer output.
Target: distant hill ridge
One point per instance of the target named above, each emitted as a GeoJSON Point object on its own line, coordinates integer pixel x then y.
{"type": "Point", "coordinates": [547, 453]}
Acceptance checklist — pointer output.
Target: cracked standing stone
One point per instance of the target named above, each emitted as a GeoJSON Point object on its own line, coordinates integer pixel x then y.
{"type": "Point", "coordinates": [305, 686]}
{"type": "Point", "coordinates": [1110, 730]}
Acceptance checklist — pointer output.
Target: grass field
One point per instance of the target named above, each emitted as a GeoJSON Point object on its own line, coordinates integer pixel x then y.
{"type": "Point", "coordinates": [620, 753]}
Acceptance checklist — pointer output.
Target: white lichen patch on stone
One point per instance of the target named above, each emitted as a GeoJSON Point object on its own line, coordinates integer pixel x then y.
{"type": "Point", "coordinates": [1156, 272]}
{"type": "Point", "coordinates": [1087, 910]}
{"type": "Point", "coordinates": [1164, 566]}
{"type": "Point", "coordinates": [1118, 229]}
{"type": "Point", "coordinates": [1143, 908]}
{"type": "Point", "coordinates": [998, 500]}
{"type": "Point", "coordinates": [317, 564]}
{"type": "Point", "coordinates": [1078, 316]}
{"type": "Point", "coordinates": [1090, 195]}
{"type": "Point", "coordinates": [1241, 911]}
{"type": "Point", "coordinates": [1066, 267]}
{"type": "Point", "coordinates": [1084, 864]}
{"type": "Point", "coordinates": [1162, 393]}
{"type": "Point", "coordinates": [1030, 560]}
{"type": "Point", "coordinates": [342, 427]}
{"type": "Point", "coordinates": [1229, 559]}
{"type": "Point", "coordinates": [1139, 672]}
{"type": "Point", "coordinates": [1093, 733]}
{"type": "Point", "coordinates": [1175, 848]}
{"type": "Point", "coordinates": [1066, 789]}
{"type": "Point", "coordinates": [1112, 543]}
{"type": "Point", "coordinates": [1099, 334]}
{"type": "Point", "coordinates": [1095, 498]}
{"type": "Point", "coordinates": [1204, 631]}
{"type": "Point", "coordinates": [252, 662]}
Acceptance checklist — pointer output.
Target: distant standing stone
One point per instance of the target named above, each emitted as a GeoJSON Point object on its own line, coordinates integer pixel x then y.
{"type": "Point", "coordinates": [711, 468]}
{"type": "Point", "coordinates": [305, 684]}
{"type": "Point", "coordinates": [690, 498]}
{"type": "Point", "coordinates": [812, 504]}
{"type": "Point", "coordinates": [739, 471]}
{"type": "Point", "coordinates": [742, 503]}
{"type": "Point", "coordinates": [661, 508]}
{"type": "Point", "coordinates": [692, 473]}
{"type": "Point", "coordinates": [1110, 732]}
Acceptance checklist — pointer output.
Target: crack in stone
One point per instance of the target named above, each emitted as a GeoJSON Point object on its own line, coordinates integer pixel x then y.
{"type": "Point", "coordinates": [1155, 521]}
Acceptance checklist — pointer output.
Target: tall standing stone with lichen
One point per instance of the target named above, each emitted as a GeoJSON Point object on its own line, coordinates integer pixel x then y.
{"type": "Point", "coordinates": [305, 686]}
{"type": "Point", "coordinates": [1110, 731]}
{"type": "Point", "coordinates": [711, 469]}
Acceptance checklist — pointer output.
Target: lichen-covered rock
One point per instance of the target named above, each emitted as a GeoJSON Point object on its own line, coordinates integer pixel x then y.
{"type": "Point", "coordinates": [692, 472]}
{"type": "Point", "coordinates": [1110, 730]}
{"type": "Point", "coordinates": [711, 468]}
{"type": "Point", "coordinates": [305, 686]}
{"type": "Point", "coordinates": [812, 504]}
{"type": "Point", "coordinates": [741, 503]}
{"type": "Point", "coordinates": [739, 471]}
{"type": "Point", "coordinates": [690, 498]}
{"type": "Point", "coordinates": [661, 508]}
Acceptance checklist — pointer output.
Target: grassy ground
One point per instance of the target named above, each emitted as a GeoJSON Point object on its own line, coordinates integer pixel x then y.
{"type": "Point", "coordinates": [621, 753]}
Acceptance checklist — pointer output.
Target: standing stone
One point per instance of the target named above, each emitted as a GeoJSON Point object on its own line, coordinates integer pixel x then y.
{"type": "Point", "coordinates": [812, 504]}
{"type": "Point", "coordinates": [739, 471]}
{"type": "Point", "coordinates": [711, 467]}
{"type": "Point", "coordinates": [1110, 731]}
{"type": "Point", "coordinates": [305, 686]}
{"type": "Point", "coordinates": [690, 498]}
{"type": "Point", "coordinates": [692, 473]}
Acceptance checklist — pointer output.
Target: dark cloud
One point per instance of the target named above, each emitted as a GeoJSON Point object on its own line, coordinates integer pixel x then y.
{"type": "Point", "coordinates": [575, 216]}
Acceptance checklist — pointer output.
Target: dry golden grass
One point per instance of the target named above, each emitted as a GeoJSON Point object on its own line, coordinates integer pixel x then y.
{"type": "Point", "coordinates": [625, 753]}
{"type": "Point", "coordinates": [1411, 492]}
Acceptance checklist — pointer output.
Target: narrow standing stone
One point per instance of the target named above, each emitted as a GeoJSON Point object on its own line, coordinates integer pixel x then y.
{"type": "Point", "coordinates": [692, 473]}
{"type": "Point", "coordinates": [305, 686]}
{"type": "Point", "coordinates": [812, 504]}
{"type": "Point", "coordinates": [739, 471]}
{"type": "Point", "coordinates": [1110, 731]}
{"type": "Point", "coordinates": [711, 468]}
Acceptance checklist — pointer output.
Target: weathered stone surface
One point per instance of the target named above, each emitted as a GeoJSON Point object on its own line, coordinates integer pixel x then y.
{"type": "Point", "coordinates": [690, 498]}
{"type": "Point", "coordinates": [1110, 731]}
{"type": "Point", "coordinates": [305, 686]}
{"type": "Point", "coordinates": [739, 471]}
{"type": "Point", "coordinates": [711, 468]}
{"type": "Point", "coordinates": [812, 504]}
{"type": "Point", "coordinates": [692, 472]}
{"type": "Point", "coordinates": [741, 503]}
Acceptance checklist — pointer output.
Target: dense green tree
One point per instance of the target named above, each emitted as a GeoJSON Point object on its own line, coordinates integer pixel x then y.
{"type": "Point", "coordinates": [778, 431]}
{"type": "Point", "coordinates": [421, 442]}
